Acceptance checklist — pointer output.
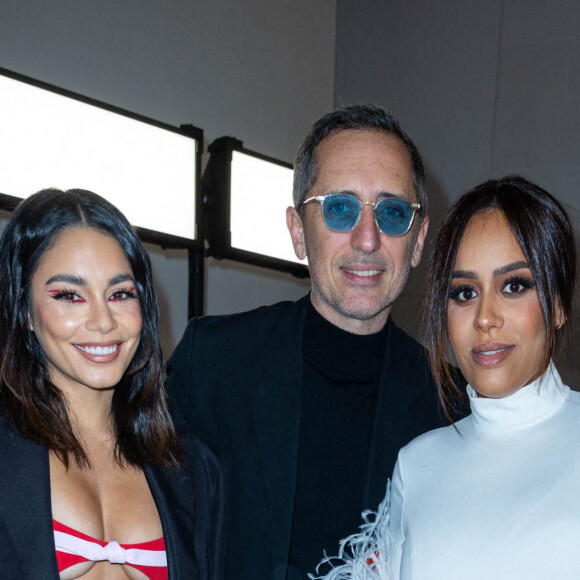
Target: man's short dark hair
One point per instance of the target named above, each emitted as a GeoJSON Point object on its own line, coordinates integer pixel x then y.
{"type": "Point", "coordinates": [354, 117]}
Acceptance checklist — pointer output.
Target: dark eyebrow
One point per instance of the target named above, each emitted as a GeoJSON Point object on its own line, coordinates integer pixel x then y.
{"type": "Point", "coordinates": [463, 274]}
{"type": "Point", "coordinates": [79, 281]}
{"type": "Point", "coordinates": [510, 268]}
{"type": "Point", "coordinates": [341, 192]}
{"type": "Point", "coordinates": [380, 195]}
{"type": "Point", "coordinates": [497, 272]}
{"type": "Point", "coordinates": [389, 195]}
{"type": "Point", "coordinates": [121, 278]}
{"type": "Point", "coordinates": [69, 279]}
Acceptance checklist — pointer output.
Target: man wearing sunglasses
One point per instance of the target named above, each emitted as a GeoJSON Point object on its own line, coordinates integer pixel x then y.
{"type": "Point", "coordinates": [310, 402]}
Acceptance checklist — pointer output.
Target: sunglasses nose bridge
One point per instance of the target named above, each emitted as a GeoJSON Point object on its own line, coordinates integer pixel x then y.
{"type": "Point", "coordinates": [362, 205]}
{"type": "Point", "coordinates": [373, 205]}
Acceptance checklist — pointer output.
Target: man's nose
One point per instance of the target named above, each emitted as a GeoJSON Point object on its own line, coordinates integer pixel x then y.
{"type": "Point", "coordinates": [366, 236]}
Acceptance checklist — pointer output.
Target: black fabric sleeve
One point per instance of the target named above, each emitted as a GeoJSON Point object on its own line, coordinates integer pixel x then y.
{"type": "Point", "coordinates": [179, 381]}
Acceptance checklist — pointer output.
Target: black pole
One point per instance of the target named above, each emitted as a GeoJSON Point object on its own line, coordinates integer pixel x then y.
{"type": "Point", "coordinates": [196, 282]}
{"type": "Point", "coordinates": [196, 255]}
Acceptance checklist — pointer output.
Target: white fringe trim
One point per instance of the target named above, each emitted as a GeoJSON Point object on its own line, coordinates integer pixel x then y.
{"type": "Point", "coordinates": [366, 555]}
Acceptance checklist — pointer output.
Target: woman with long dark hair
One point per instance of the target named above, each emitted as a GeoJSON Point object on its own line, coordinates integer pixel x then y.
{"type": "Point", "coordinates": [95, 482]}
{"type": "Point", "coordinates": [496, 495]}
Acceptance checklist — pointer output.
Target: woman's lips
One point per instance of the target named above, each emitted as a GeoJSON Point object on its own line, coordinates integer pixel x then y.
{"type": "Point", "coordinates": [491, 354]}
{"type": "Point", "coordinates": [100, 352]}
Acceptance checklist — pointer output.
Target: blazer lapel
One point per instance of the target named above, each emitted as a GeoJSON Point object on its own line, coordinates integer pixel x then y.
{"type": "Point", "coordinates": [174, 496]}
{"type": "Point", "coordinates": [25, 504]}
{"type": "Point", "coordinates": [276, 404]}
{"type": "Point", "coordinates": [402, 384]}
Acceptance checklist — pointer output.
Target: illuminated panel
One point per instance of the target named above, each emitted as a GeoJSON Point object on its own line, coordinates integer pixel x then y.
{"type": "Point", "coordinates": [260, 193]}
{"type": "Point", "coordinates": [51, 140]}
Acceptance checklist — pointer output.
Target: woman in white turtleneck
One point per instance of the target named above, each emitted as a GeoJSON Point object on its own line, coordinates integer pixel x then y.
{"type": "Point", "coordinates": [497, 495]}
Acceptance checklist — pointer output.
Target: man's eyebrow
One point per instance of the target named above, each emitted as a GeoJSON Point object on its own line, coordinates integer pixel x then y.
{"type": "Point", "coordinates": [341, 192]}
{"type": "Point", "coordinates": [391, 195]}
{"type": "Point", "coordinates": [380, 195]}
{"type": "Point", "coordinates": [470, 275]}
{"type": "Point", "coordinates": [68, 278]}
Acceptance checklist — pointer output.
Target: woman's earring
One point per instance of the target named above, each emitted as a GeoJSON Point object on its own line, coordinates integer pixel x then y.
{"type": "Point", "coordinates": [558, 326]}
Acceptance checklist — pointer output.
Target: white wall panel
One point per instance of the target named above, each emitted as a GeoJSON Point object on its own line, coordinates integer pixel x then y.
{"type": "Point", "coordinates": [257, 70]}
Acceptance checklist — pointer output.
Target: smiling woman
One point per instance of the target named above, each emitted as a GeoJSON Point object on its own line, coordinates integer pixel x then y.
{"type": "Point", "coordinates": [93, 471]}
{"type": "Point", "coordinates": [495, 320]}
{"type": "Point", "coordinates": [516, 235]}
{"type": "Point", "coordinates": [496, 495]}
{"type": "Point", "coordinates": [85, 311]}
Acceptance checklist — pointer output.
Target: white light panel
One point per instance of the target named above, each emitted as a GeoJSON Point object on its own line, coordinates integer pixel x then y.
{"type": "Point", "coordinates": [50, 140]}
{"type": "Point", "coordinates": [260, 193]}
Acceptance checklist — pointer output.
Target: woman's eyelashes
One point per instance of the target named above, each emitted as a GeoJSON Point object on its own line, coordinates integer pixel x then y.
{"type": "Point", "coordinates": [65, 295]}
{"type": "Point", "coordinates": [513, 287]}
{"type": "Point", "coordinates": [73, 297]}
{"type": "Point", "coordinates": [517, 285]}
{"type": "Point", "coordinates": [462, 293]}
{"type": "Point", "coordinates": [123, 294]}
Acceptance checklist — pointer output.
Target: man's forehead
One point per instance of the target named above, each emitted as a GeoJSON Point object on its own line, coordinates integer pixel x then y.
{"type": "Point", "coordinates": [364, 148]}
{"type": "Point", "coordinates": [364, 163]}
{"type": "Point", "coordinates": [362, 141]}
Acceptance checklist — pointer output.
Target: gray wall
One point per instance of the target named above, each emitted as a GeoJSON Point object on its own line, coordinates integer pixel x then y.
{"type": "Point", "coordinates": [484, 88]}
{"type": "Point", "coordinates": [257, 70]}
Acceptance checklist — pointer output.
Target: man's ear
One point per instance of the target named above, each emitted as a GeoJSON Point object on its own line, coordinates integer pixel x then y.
{"type": "Point", "coordinates": [420, 242]}
{"type": "Point", "coordinates": [296, 229]}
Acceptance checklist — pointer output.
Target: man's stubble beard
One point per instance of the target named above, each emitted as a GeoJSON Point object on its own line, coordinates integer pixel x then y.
{"type": "Point", "coordinates": [324, 293]}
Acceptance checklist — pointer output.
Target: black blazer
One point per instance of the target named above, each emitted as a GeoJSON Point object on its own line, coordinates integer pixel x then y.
{"type": "Point", "coordinates": [235, 381]}
{"type": "Point", "coordinates": [190, 502]}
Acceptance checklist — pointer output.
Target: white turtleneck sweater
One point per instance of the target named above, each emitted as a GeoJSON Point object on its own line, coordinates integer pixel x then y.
{"type": "Point", "coordinates": [500, 498]}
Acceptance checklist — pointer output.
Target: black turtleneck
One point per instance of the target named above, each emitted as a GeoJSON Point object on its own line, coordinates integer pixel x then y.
{"type": "Point", "coordinates": [340, 381]}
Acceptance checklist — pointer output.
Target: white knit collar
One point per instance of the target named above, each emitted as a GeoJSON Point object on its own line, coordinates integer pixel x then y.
{"type": "Point", "coordinates": [529, 406]}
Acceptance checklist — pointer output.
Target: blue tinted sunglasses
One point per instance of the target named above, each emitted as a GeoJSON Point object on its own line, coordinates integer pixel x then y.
{"type": "Point", "coordinates": [342, 212]}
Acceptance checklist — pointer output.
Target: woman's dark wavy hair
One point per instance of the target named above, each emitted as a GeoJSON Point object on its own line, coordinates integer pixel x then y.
{"type": "Point", "coordinates": [544, 232]}
{"type": "Point", "coordinates": [144, 431]}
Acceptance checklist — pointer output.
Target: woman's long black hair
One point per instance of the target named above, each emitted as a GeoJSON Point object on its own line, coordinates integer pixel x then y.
{"type": "Point", "coordinates": [143, 428]}
{"type": "Point", "coordinates": [543, 231]}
